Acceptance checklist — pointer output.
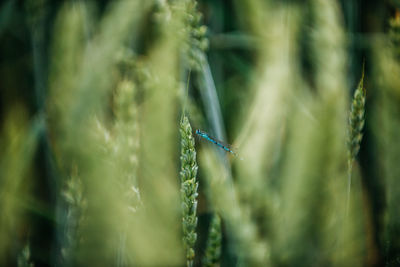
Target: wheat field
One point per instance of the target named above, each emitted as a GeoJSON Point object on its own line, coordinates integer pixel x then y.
{"type": "Point", "coordinates": [199, 133]}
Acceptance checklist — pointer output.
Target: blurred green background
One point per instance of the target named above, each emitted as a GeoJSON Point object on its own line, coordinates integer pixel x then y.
{"type": "Point", "coordinates": [29, 32]}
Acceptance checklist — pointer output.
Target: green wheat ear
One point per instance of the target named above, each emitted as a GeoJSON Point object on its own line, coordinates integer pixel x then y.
{"type": "Point", "coordinates": [76, 202]}
{"type": "Point", "coordinates": [213, 249]}
{"type": "Point", "coordinates": [197, 41]}
{"type": "Point", "coordinates": [189, 186]}
{"type": "Point", "coordinates": [356, 120]}
{"type": "Point", "coordinates": [356, 125]}
{"type": "Point", "coordinates": [127, 133]}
